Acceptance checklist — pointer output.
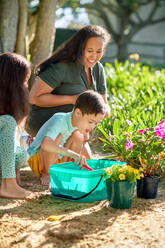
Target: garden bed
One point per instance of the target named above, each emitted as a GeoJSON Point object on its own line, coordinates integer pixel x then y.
{"type": "Point", "coordinates": [24, 223]}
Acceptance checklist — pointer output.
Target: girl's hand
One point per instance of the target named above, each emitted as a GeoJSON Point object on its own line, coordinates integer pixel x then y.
{"type": "Point", "coordinates": [29, 140]}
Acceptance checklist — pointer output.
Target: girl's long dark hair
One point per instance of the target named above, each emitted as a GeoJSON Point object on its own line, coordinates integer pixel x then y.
{"type": "Point", "coordinates": [72, 49]}
{"type": "Point", "coordinates": [14, 98]}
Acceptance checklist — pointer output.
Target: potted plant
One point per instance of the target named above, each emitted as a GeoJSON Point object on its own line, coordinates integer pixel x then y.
{"type": "Point", "coordinates": [143, 148]}
{"type": "Point", "coordinates": [152, 160]}
{"type": "Point", "coordinates": [120, 183]}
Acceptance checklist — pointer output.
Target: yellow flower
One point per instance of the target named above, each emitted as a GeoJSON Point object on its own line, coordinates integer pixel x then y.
{"type": "Point", "coordinates": [124, 167]}
{"type": "Point", "coordinates": [136, 171]}
{"type": "Point", "coordinates": [134, 56]}
{"type": "Point", "coordinates": [109, 173]}
{"type": "Point", "coordinates": [122, 177]}
{"type": "Point", "coordinates": [141, 169]}
{"type": "Point", "coordinates": [130, 169]}
{"type": "Point", "coordinates": [138, 177]}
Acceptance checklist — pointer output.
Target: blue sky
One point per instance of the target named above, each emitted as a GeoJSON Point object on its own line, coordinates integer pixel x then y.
{"type": "Point", "coordinates": [68, 17]}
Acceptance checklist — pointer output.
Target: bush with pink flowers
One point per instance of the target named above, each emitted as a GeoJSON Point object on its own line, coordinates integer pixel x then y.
{"type": "Point", "coordinates": [138, 147]}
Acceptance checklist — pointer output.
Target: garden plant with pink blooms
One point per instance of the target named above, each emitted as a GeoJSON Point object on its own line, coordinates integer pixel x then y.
{"type": "Point", "coordinates": [137, 147]}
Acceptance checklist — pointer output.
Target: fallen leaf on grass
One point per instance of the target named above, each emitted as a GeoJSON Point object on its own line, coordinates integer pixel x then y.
{"type": "Point", "coordinates": [53, 218]}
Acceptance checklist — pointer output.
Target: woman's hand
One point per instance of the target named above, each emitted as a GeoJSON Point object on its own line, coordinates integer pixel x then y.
{"type": "Point", "coordinates": [74, 98]}
{"type": "Point", "coordinates": [107, 113]}
{"type": "Point", "coordinates": [107, 107]}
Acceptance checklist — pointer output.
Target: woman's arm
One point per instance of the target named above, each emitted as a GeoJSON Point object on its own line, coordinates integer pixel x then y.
{"type": "Point", "coordinates": [107, 106]}
{"type": "Point", "coordinates": [40, 95]}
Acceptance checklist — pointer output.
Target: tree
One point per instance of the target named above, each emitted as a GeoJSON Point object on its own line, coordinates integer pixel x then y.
{"type": "Point", "coordinates": [45, 31]}
{"type": "Point", "coordinates": [27, 26]}
{"type": "Point", "coordinates": [20, 46]}
{"type": "Point", "coordinates": [122, 18]}
{"type": "Point", "coordinates": [8, 24]}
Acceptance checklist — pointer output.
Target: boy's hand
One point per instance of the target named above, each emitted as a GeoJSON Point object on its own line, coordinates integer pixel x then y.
{"type": "Point", "coordinates": [79, 159]}
{"type": "Point", "coordinates": [83, 164]}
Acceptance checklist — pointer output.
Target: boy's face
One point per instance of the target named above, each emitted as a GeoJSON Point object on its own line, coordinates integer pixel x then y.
{"type": "Point", "coordinates": [87, 122]}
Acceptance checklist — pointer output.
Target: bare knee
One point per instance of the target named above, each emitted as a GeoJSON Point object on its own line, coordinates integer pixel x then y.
{"type": "Point", "coordinates": [78, 137]}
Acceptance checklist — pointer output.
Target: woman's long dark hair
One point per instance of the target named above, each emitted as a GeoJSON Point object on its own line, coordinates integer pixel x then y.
{"type": "Point", "coordinates": [14, 98]}
{"type": "Point", "coordinates": [72, 49]}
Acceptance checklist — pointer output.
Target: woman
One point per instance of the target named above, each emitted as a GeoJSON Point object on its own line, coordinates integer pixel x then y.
{"type": "Point", "coordinates": [72, 69]}
{"type": "Point", "coordinates": [14, 73]}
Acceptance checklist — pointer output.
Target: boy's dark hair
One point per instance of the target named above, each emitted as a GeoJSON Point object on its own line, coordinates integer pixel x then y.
{"type": "Point", "coordinates": [72, 50]}
{"type": "Point", "coordinates": [14, 98]}
{"type": "Point", "coordinates": [90, 102]}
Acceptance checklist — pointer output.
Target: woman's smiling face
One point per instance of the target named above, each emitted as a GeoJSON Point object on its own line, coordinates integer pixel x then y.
{"type": "Point", "coordinates": [93, 51]}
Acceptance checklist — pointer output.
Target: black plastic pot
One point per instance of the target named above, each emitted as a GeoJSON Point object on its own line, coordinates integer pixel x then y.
{"type": "Point", "coordinates": [147, 187]}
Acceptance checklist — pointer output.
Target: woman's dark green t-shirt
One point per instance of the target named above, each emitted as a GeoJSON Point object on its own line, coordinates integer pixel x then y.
{"type": "Point", "coordinates": [65, 79]}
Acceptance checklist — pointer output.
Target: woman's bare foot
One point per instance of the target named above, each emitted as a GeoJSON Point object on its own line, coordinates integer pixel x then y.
{"type": "Point", "coordinates": [45, 179]}
{"type": "Point", "coordinates": [10, 189]}
{"type": "Point", "coordinates": [18, 179]}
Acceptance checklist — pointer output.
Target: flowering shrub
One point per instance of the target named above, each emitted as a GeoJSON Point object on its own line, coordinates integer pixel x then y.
{"type": "Point", "coordinates": [159, 130]}
{"type": "Point", "coordinates": [138, 147]}
{"type": "Point", "coordinates": [152, 159]}
{"type": "Point", "coordinates": [122, 172]}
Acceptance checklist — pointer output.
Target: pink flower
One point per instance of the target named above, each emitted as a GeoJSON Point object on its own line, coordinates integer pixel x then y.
{"type": "Point", "coordinates": [128, 145]}
{"type": "Point", "coordinates": [161, 122]}
{"type": "Point", "coordinates": [143, 130]}
{"type": "Point", "coordinates": [128, 122]}
{"type": "Point", "coordinates": [160, 130]}
{"type": "Point", "coordinates": [110, 136]}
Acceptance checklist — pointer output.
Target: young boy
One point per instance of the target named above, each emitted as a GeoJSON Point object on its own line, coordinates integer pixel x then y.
{"type": "Point", "coordinates": [63, 136]}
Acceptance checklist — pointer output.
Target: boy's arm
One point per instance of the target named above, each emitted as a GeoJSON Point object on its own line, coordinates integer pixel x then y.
{"type": "Point", "coordinates": [50, 146]}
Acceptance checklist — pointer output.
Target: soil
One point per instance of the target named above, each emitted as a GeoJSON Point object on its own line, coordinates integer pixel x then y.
{"type": "Point", "coordinates": [25, 223]}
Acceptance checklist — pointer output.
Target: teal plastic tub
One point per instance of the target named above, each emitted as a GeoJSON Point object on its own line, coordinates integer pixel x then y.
{"type": "Point", "coordinates": [69, 182]}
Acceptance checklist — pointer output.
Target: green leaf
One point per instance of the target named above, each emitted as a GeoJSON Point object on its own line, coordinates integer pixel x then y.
{"type": "Point", "coordinates": [116, 127]}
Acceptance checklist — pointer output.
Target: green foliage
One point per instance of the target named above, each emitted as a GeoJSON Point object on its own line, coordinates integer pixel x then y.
{"type": "Point", "coordinates": [136, 98]}
{"type": "Point", "coordinates": [136, 93]}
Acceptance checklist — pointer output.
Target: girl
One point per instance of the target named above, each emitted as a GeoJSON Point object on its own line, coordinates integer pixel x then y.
{"type": "Point", "coordinates": [14, 73]}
